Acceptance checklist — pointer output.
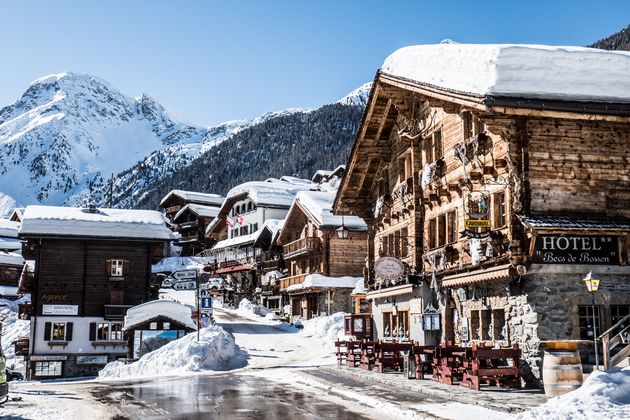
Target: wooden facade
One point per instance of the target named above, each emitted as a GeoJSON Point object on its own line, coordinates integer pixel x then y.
{"type": "Point", "coordinates": [308, 247]}
{"type": "Point", "coordinates": [80, 286]}
{"type": "Point", "coordinates": [427, 162]}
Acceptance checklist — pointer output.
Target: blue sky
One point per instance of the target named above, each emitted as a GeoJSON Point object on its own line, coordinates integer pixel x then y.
{"type": "Point", "coordinates": [210, 61]}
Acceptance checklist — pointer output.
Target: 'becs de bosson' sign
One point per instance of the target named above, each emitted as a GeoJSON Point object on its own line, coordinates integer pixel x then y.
{"type": "Point", "coordinates": [576, 249]}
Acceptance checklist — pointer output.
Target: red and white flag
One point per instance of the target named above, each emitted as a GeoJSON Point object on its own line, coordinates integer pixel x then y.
{"type": "Point", "coordinates": [229, 222]}
{"type": "Point", "coordinates": [239, 219]}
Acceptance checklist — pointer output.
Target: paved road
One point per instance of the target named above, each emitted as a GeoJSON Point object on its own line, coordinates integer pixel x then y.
{"type": "Point", "coordinates": [228, 396]}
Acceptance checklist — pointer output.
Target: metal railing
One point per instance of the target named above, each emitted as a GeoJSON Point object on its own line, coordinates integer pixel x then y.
{"type": "Point", "coordinates": [616, 342]}
{"type": "Point", "coordinates": [302, 246]}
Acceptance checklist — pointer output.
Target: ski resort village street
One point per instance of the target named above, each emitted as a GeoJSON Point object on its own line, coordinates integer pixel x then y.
{"type": "Point", "coordinates": [279, 379]}
{"type": "Point", "coordinates": [385, 210]}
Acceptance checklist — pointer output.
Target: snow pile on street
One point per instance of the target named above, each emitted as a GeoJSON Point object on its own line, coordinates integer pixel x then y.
{"type": "Point", "coordinates": [249, 309]}
{"type": "Point", "coordinates": [604, 395]}
{"type": "Point", "coordinates": [215, 351]}
{"type": "Point", "coordinates": [328, 327]}
{"type": "Point", "coordinates": [12, 329]}
{"type": "Point", "coordinates": [318, 280]}
{"type": "Point", "coordinates": [537, 71]}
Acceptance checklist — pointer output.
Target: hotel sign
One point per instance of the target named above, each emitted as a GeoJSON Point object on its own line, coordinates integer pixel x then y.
{"type": "Point", "coordinates": [576, 249]}
{"type": "Point", "coordinates": [60, 309]}
{"type": "Point", "coordinates": [476, 215]}
{"type": "Point", "coordinates": [389, 268]}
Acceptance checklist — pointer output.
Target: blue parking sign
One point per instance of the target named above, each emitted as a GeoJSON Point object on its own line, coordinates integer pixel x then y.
{"type": "Point", "coordinates": [206, 303]}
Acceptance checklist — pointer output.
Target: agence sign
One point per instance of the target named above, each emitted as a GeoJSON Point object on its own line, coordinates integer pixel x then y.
{"type": "Point", "coordinates": [576, 249]}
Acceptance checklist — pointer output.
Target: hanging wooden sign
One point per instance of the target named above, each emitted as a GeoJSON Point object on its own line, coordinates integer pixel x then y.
{"type": "Point", "coordinates": [476, 215]}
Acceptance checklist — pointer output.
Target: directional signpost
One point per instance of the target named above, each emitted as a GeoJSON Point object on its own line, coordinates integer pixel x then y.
{"type": "Point", "coordinates": [185, 274]}
{"type": "Point", "coordinates": [185, 285]}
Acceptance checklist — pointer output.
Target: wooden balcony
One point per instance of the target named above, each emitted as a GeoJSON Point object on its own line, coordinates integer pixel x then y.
{"type": "Point", "coordinates": [188, 239]}
{"type": "Point", "coordinates": [303, 246]}
{"type": "Point", "coordinates": [290, 281]}
{"type": "Point", "coordinates": [21, 346]}
{"type": "Point", "coordinates": [188, 225]}
{"type": "Point", "coordinates": [116, 312]}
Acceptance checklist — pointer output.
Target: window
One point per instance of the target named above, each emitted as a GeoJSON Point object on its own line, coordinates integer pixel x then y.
{"type": "Point", "coordinates": [442, 230]}
{"type": "Point", "coordinates": [255, 227]}
{"type": "Point", "coordinates": [397, 244]}
{"type": "Point", "coordinates": [51, 368]}
{"type": "Point", "coordinates": [585, 317]}
{"type": "Point", "coordinates": [467, 118]}
{"type": "Point", "coordinates": [617, 312]}
{"type": "Point", "coordinates": [488, 325]}
{"type": "Point", "coordinates": [166, 325]}
{"type": "Point", "coordinates": [58, 331]}
{"type": "Point", "coordinates": [116, 268]}
{"type": "Point", "coordinates": [396, 326]}
{"type": "Point", "coordinates": [499, 210]}
{"type": "Point", "coordinates": [432, 233]}
{"type": "Point", "coordinates": [433, 147]}
{"type": "Point", "coordinates": [451, 227]}
{"type": "Point", "coordinates": [153, 326]}
{"type": "Point", "coordinates": [404, 244]}
{"type": "Point", "coordinates": [404, 167]}
{"type": "Point", "coordinates": [249, 206]}
{"type": "Point", "coordinates": [109, 331]}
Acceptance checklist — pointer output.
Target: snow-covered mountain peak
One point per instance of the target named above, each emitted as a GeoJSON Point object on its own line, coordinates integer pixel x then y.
{"type": "Point", "coordinates": [357, 97]}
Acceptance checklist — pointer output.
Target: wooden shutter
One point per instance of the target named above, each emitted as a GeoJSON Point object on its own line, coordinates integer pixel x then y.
{"type": "Point", "coordinates": [92, 331]}
{"type": "Point", "coordinates": [47, 329]}
{"type": "Point", "coordinates": [108, 267]}
{"type": "Point", "coordinates": [68, 331]}
{"type": "Point", "coordinates": [125, 267]}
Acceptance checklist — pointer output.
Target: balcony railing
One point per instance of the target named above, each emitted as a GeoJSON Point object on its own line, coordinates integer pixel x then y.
{"type": "Point", "coordinates": [116, 312]}
{"type": "Point", "coordinates": [188, 239]}
{"type": "Point", "coordinates": [20, 346]}
{"type": "Point", "coordinates": [188, 225]}
{"type": "Point", "coordinates": [302, 246]}
{"type": "Point", "coordinates": [290, 281]}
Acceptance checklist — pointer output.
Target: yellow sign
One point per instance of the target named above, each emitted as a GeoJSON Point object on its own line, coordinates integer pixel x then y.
{"type": "Point", "coordinates": [477, 223]}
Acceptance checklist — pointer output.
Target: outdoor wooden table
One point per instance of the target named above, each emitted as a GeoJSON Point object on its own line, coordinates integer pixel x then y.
{"type": "Point", "coordinates": [448, 364]}
{"type": "Point", "coordinates": [500, 366]}
{"type": "Point", "coordinates": [423, 358]}
{"type": "Point", "coordinates": [367, 355]}
{"type": "Point", "coordinates": [388, 356]}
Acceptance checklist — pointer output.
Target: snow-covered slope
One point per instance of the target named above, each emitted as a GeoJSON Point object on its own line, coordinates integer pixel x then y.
{"type": "Point", "coordinates": [68, 133]}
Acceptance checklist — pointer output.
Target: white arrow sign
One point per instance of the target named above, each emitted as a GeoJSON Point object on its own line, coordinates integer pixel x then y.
{"type": "Point", "coordinates": [185, 285]}
{"type": "Point", "coordinates": [185, 274]}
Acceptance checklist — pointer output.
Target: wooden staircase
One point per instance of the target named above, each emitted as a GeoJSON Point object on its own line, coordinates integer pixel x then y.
{"type": "Point", "coordinates": [616, 343]}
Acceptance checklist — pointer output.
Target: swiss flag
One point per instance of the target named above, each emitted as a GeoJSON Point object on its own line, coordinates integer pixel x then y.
{"type": "Point", "coordinates": [229, 222]}
{"type": "Point", "coordinates": [239, 219]}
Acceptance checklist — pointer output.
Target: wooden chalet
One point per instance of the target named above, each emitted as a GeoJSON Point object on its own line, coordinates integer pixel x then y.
{"type": "Point", "coordinates": [189, 214]}
{"type": "Point", "coordinates": [91, 266]}
{"type": "Point", "coordinates": [499, 199]}
{"type": "Point", "coordinates": [324, 254]}
{"type": "Point", "coordinates": [244, 231]}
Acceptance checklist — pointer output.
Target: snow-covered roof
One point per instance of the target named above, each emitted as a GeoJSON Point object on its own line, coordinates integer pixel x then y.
{"type": "Point", "coordinates": [359, 288]}
{"type": "Point", "coordinates": [171, 264]}
{"type": "Point", "coordinates": [9, 228]}
{"type": "Point", "coordinates": [11, 258]}
{"type": "Point", "coordinates": [198, 209]}
{"type": "Point", "coordinates": [156, 308]}
{"type": "Point", "coordinates": [107, 223]}
{"type": "Point", "coordinates": [273, 225]}
{"type": "Point", "coordinates": [10, 244]}
{"type": "Point", "coordinates": [272, 193]}
{"type": "Point", "coordinates": [295, 180]}
{"type": "Point", "coordinates": [532, 71]}
{"type": "Point", "coordinates": [325, 282]}
{"type": "Point", "coordinates": [9, 291]}
{"type": "Point", "coordinates": [194, 197]}
{"type": "Point", "coordinates": [318, 205]}
{"type": "Point", "coordinates": [17, 213]}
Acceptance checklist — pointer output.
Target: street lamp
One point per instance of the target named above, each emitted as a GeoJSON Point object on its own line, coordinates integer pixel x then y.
{"type": "Point", "coordinates": [342, 232]}
{"type": "Point", "coordinates": [592, 284]}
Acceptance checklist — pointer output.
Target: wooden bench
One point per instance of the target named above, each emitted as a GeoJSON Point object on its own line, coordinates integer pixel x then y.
{"type": "Point", "coordinates": [488, 365]}
{"type": "Point", "coordinates": [448, 364]}
{"type": "Point", "coordinates": [423, 358]}
{"type": "Point", "coordinates": [388, 356]}
{"type": "Point", "coordinates": [367, 354]}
